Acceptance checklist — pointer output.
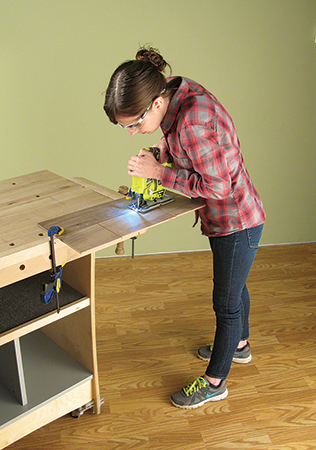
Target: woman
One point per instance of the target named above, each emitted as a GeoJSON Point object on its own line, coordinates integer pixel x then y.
{"type": "Point", "coordinates": [201, 138]}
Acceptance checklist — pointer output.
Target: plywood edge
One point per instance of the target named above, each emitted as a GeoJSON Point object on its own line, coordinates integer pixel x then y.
{"type": "Point", "coordinates": [107, 192]}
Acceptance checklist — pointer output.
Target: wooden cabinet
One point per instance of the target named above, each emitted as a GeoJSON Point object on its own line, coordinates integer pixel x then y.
{"type": "Point", "coordinates": [48, 364]}
{"type": "Point", "coordinates": [48, 360]}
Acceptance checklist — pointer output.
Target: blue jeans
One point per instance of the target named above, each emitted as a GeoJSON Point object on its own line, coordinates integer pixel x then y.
{"type": "Point", "coordinates": [233, 256]}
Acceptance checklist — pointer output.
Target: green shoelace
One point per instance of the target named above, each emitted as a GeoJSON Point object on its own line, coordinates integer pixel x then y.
{"type": "Point", "coordinates": [194, 386]}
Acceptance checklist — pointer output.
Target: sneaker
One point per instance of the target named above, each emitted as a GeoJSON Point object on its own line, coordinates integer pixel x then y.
{"type": "Point", "coordinates": [241, 356]}
{"type": "Point", "coordinates": [198, 392]}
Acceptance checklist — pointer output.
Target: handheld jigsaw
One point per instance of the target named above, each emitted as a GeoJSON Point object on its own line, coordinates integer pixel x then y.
{"type": "Point", "coordinates": [147, 193]}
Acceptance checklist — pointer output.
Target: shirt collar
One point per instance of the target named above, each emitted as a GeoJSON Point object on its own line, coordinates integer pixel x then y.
{"type": "Point", "coordinates": [175, 105]}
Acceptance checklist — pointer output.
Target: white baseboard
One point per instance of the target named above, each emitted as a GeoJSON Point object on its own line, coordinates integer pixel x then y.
{"type": "Point", "coordinates": [200, 250]}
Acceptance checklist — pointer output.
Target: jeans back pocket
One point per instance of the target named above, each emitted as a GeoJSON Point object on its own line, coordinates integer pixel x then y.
{"type": "Point", "coordinates": [254, 235]}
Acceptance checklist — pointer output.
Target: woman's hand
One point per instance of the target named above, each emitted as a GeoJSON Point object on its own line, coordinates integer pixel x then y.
{"type": "Point", "coordinates": [145, 165]}
{"type": "Point", "coordinates": [163, 147]}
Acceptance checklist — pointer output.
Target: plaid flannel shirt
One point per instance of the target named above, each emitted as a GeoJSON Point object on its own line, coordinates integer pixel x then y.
{"type": "Point", "coordinates": [204, 145]}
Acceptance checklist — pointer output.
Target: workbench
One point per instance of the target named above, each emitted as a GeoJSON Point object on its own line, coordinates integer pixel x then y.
{"type": "Point", "coordinates": [48, 360]}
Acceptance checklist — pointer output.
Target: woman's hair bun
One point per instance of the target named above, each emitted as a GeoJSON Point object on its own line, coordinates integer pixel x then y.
{"type": "Point", "coordinates": [150, 54]}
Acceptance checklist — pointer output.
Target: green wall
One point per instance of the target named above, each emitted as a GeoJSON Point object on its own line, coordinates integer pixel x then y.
{"type": "Point", "coordinates": [257, 56]}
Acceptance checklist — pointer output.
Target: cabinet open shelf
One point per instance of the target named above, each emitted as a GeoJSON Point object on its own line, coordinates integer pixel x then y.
{"type": "Point", "coordinates": [34, 370]}
{"type": "Point", "coordinates": [49, 373]}
{"type": "Point", "coordinates": [21, 310]}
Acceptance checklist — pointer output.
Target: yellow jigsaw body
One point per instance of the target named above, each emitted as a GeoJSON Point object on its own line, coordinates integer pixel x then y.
{"type": "Point", "coordinates": [148, 187]}
{"type": "Point", "coordinates": [147, 193]}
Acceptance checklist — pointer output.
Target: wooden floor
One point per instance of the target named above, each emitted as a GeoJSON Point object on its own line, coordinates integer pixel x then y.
{"type": "Point", "coordinates": [153, 312]}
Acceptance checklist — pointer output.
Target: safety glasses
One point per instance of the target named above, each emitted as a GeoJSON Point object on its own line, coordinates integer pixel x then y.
{"type": "Point", "coordinates": [137, 123]}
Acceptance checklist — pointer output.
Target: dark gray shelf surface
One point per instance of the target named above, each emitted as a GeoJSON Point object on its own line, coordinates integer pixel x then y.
{"type": "Point", "coordinates": [20, 302]}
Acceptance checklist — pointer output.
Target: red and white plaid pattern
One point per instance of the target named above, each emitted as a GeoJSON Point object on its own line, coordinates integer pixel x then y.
{"type": "Point", "coordinates": [205, 148]}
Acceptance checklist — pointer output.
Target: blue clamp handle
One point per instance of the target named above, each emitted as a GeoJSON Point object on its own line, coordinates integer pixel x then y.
{"type": "Point", "coordinates": [52, 288]}
{"type": "Point", "coordinates": [55, 230]}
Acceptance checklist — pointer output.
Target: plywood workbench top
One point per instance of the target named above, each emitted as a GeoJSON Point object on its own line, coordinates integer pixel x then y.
{"type": "Point", "coordinates": [27, 200]}
{"type": "Point", "coordinates": [93, 217]}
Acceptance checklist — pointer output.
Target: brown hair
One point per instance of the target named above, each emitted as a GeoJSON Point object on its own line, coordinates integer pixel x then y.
{"type": "Point", "coordinates": [135, 84]}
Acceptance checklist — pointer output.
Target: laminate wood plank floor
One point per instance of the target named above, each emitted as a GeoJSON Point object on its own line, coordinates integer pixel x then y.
{"type": "Point", "coordinates": [153, 312]}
